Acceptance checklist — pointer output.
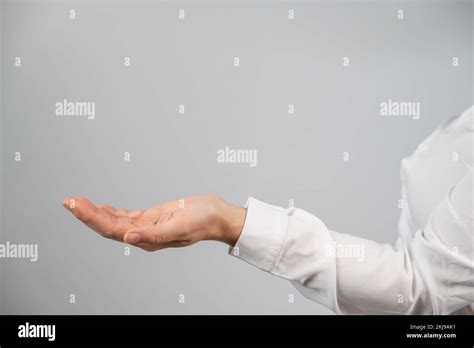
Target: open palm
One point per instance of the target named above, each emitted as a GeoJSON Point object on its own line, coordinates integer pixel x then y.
{"type": "Point", "coordinates": [174, 224]}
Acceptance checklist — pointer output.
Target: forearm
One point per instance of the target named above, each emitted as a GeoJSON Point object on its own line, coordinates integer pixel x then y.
{"type": "Point", "coordinates": [345, 273]}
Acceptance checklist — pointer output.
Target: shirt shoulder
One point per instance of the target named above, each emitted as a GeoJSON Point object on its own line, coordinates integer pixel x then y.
{"type": "Point", "coordinates": [436, 166]}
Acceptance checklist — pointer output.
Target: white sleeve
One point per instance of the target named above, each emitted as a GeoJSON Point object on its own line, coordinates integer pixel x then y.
{"type": "Point", "coordinates": [432, 274]}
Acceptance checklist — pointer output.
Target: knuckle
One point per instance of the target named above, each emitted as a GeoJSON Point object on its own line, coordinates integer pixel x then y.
{"type": "Point", "coordinates": [184, 233]}
{"type": "Point", "coordinates": [86, 218]}
{"type": "Point", "coordinates": [157, 238]}
{"type": "Point", "coordinates": [103, 234]}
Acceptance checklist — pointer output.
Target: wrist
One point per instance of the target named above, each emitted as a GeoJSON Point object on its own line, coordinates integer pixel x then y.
{"type": "Point", "coordinates": [232, 221]}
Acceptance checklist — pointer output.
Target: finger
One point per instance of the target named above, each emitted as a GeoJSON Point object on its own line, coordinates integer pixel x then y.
{"type": "Point", "coordinates": [120, 212]}
{"type": "Point", "coordinates": [150, 247]}
{"type": "Point", "coordinates": [153, 234]}
{"type": "Point", "coordinates": [99, 220]}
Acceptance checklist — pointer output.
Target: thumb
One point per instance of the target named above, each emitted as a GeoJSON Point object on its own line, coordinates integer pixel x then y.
{"type": "Point", "coordinates": [152, 234]}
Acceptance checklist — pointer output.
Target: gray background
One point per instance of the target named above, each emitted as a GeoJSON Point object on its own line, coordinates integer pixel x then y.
{"type": "Point", "coordinates": [299, 157]}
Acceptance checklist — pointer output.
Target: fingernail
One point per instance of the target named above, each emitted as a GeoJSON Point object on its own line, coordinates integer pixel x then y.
{"type": "Point", "coordinates": [132, 238]}
{"type": "Point", "coordinates": [66, 202]}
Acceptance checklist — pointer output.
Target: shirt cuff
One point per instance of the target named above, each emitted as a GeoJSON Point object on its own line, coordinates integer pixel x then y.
{"type": "Point", "coordinates": [262, 236]}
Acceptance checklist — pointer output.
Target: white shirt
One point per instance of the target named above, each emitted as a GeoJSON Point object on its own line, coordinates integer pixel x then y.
{"type": "Point", "coordinates": [429, 271]}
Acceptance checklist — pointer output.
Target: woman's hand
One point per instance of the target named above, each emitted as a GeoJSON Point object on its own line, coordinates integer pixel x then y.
{"type": "Point", "coordinates": [174, 224]}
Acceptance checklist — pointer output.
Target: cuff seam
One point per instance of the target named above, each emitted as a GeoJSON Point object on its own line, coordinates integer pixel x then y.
{"type": "Point", "coordinates": [284, 227]}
